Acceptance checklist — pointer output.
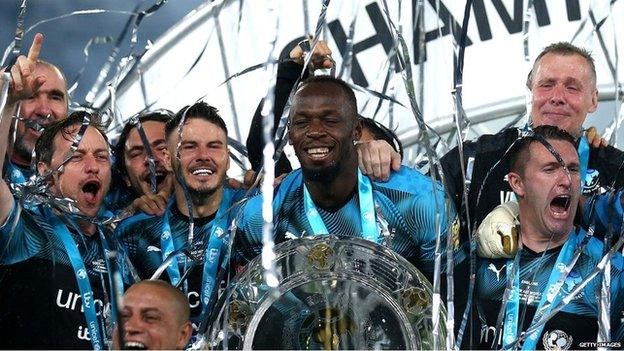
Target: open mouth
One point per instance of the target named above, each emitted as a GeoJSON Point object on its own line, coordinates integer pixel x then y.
{"type": "Point", "coordinates": [90, 190]}
{"type": "Point", "coordinates": [203, 172]}
{"type": "Point", "coordinates": [160, 177]}
{"type": "Point", "coordinates": [317, 153]}
{"type": "Point", "coordinates": [560, 204]}
{"type": "Point", "coordinates": [134, 345]}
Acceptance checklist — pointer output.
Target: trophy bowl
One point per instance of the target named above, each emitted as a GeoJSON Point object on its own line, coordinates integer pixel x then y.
{"type": "Point", "coordinates": [333, 293]}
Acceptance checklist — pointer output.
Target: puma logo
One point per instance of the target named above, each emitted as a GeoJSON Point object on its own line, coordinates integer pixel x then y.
{"type": "Point", "coordinates": [290, 235]}
{"type": "Point", "coordinates": [152, 248]}
{"type": "Point", "coordinates": [492, 268]}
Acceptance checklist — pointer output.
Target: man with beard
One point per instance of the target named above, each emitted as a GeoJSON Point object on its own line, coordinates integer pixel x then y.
{"type": "Point", "coordinates": [329, 195]}
{"type": "Point", "coordinates": [199, 173]}
{"type": "Point", "coordinates": [132, 164]}
{"type": "Point", "coordinates": [47, 104]}
{"type": "Point", "coordinates": [155, 317]}
{"type": "Point", "coordinates": [548, 191]}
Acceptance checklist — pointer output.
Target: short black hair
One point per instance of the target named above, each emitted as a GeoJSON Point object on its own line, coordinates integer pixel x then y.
{"type": "Point", "coordinates": [564, 49]}
{"type": "Point", "coordinates": [120, 158]}
{"type": "Point", "coordinates": [344, 86]}
{"type": "Point", "coordinates": [44, 148]}
{"type": "Point", "coordinates": [199, 110]}
{"type": "Point", "coordinates": [519, 153]}
{"type": "Point", "coordinates": [382, 132]}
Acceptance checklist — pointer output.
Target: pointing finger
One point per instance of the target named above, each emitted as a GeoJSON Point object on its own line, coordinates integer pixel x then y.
{"type": "Point", "coordinates": [35, 48]}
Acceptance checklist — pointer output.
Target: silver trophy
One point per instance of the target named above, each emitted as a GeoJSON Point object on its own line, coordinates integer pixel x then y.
{"type": "Point", "coordinates": [334, 293]}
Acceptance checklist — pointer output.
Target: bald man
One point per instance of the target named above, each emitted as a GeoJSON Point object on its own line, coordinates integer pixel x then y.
{"type": "Point", "coordinates": [35, 108]}
{"type": "Point", "coordinates": [156, 316]}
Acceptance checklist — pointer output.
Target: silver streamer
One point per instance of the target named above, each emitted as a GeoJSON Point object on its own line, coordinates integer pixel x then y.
{"type": "Point", "coordinates": [13, 50]}
{"type": "Point", "coordinates": [612, 130]}
{"type": "Point", "coordinates": [345, 69]}
{"type": "Point", "coordinates": [405, 64]}
{"type": "Point", "coordinates": [604, 296]}
{"type": "Point", "coordinates": [187, 195]}
{"type": "Point", "coordinates": [71, 14]}
{"type": "Point", "coordinates": [270, 275]}
{"type": "Point", "coordinates": [526, 25]}
{"type": "Point", "coordinates": [460, 126]}
{"type": "Point", "coordinates": [98, 40]}
{"type": "Point", "coordinates": [224, 61]}
{"type": "Point", "coordinates": [280, 132]}
{"type": "Point", "coordinates": [148, 149]}
{"type": "Point", "coordinates": [117, 285]}
{"type": "Point", "coordinates": [138, 18]}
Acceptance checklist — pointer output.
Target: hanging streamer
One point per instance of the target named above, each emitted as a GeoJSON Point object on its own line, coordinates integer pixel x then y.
{"type": "Point", "coordinates": [13, 50]}
{"type": "Point", "coordinates": [405, 65]}
{"type": "Point", "coordinates": [98, 40]}
{"type": "Point", "coordinates": [270, 275]}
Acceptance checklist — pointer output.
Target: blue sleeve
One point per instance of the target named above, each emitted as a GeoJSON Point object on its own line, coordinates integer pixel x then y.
{"type": "Point", "coordinates": [135, 235]}
{"type": "Point", "coordinates": [425, 227]}
{"type": "Point", "coordinates": [19, 239]}
{"type": "Point", "coordinates": [605, 212]}
{"type": "Point", "coordinates": [248, 240]}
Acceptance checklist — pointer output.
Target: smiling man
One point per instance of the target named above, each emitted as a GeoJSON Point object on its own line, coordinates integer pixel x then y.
{"type": "Point", "coordinates": [36, 109]}
{"type": "Point", "coordinates": [201, 168]}
{"type": "Point", "coordinates": [548, 192]}
{"type": "Point", "coordinates": [156, 317]}
{"type": "Point", "coordinates": [330, 196]}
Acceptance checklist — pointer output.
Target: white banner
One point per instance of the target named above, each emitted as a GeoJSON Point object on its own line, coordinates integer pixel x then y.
{"type": "Point", "coordinates": [220, 39]}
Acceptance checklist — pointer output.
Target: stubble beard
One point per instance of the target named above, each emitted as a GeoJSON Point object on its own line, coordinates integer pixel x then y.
{"type": "Point", "coordinates": [21, 150]}
{"type": "Point", "coordinates": [323, 175]}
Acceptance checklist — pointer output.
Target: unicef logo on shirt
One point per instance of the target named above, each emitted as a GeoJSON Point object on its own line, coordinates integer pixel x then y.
{"type": "Point", "coordinates": [82, 273]}
{"type": "Point", "coordinates": [556, 340]}
{"type": "Point", "coordinates": [591, 182]}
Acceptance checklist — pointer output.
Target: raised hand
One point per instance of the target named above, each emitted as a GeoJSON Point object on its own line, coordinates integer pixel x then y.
{"type": "Point", "coordinates": [594, 139]}
{"type": "Point", "coordinates": [321, 56]}
{"type": "Point", "coordinates": [24, 82]}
